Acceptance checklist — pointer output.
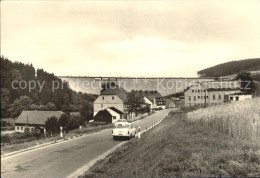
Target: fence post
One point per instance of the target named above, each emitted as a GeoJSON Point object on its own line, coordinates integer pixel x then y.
{"type": "Point", "coordinates": [139, 130]}
{"type": "Point", "coordinates": [61, 134]}
{"type": "Point", "coordinates": [44, 133]}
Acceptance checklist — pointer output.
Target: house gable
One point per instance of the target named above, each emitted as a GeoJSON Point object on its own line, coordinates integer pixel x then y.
{"type": "Point", "coordinates": [103, 116]}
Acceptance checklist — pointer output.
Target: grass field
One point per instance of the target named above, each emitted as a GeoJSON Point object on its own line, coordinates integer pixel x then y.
{"type": "Point", "coordinates": [177, 147]}
{"type": "Point", "coordinates": [238, 120]}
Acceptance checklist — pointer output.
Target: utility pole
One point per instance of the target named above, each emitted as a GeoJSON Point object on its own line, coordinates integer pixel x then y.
{"type": "Point", "coordinates": [205, 98]}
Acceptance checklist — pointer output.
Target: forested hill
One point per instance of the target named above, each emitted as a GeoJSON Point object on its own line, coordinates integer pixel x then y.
{"type": "Point", "coordinates": [230, 68]}
{"type": "Point", "coordinates": [15, 98]}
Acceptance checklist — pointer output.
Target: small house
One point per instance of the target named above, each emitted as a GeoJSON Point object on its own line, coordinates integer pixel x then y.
{"type": "Point", "coordinates": [103, 117]}
{"type": "Point", "coordinates": [34, 120]}
{"type": "Point", "coordinates": [116, 114]}
{"type": "Point", "coordinates": [239, 97]}
{"type": "Point", "coordinates": [155, 99]}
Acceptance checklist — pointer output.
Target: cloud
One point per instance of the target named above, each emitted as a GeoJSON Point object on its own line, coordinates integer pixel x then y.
{"type": "Point", "coordinates": [115, 38]}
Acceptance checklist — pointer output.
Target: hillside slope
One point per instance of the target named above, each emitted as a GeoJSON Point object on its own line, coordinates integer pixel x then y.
{"type": "Point", "coordinates": [25, 88]}
{"type": "Point", "coordinates": [230, 68]}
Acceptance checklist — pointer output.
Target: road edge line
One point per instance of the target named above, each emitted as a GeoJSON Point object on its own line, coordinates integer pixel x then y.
{"type": "Point", "coordinates": [86, 167]}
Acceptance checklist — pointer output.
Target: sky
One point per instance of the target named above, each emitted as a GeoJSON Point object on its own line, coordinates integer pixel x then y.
{"type": "Point", "coordinates": [129, 38]}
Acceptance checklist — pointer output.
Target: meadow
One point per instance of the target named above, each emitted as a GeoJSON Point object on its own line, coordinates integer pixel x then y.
{"type": "Point", "coordinates": [239, 119]}
{"type": "Point", "coordinates": [219, 141]}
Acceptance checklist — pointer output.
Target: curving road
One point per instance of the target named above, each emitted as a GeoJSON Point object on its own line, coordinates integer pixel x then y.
{"type": "Point", "coordinates": [63, 159]}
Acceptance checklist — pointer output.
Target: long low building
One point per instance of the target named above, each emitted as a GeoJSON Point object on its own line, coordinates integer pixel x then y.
{"type": "Point", "coordinates": [210, 93]}
{"type": "Point", "coordinates": [34, 120]}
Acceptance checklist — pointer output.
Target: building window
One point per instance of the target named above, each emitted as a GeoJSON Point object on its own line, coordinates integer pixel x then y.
{"type": "Point", "coordinates": [192, 91]}
{"type": "Point", "coordinates": [194, 98]}
{"type": "Point", "coordinates": [225, 97]}
{"type": "Point", "coordinates": [103, 98]}
{"type": "Point", "coordinates": [214, 97]}
{"type": "Point", "coordinates": [189, 98]}
{"type": "Point", "coordinates": [198, 97]}
{"type": "Point", "coordinates": [21, 128]}
{"type": "Point", "coordinates": [219, 96]}
{"type": "Point", "coordinates": [207, 96]}
{"type": "Point", "coordinates": [112, 98]}
{"type": "Point", "coordinates": [18, 128]}
{"type": "Point", "coordinates": [114, 117]}
{"type": "Point", "coordinates": [237, 98]}
{"type": "Point", "coordinates": [198, 90]}
{"type": "Point", "coordinates": [231, 98]}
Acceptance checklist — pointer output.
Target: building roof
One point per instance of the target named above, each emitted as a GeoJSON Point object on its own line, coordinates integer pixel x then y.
{"type": "Point", "coordinates": [240, 93]}
{"type": "Point", "coordinates": [120, 92]}
{"type": "Point", "coordinates": [218, 86]}
{"type": "Point", "coordinates": [152, 94]}
{"type": "Point", "coordinates": [223, 89]}
{"type": "Point", "coordinates": [116, 110]}
{"type": "Point", "coordinates": [36, 117]}
{"type": "Point", "coordinates": [169, 101]}
{"type": "Point", "coordinates": [102, 113]}
{"type": "Point", "coordinates": [221, 85]}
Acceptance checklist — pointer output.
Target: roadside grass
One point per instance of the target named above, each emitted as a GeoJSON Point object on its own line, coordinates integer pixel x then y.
{"type": "Point", "coordinates": [19, 141]}
{"type": "Point", "coordinates": [177, 147]}
{"type": "Point", "coordinates": [7, 124]}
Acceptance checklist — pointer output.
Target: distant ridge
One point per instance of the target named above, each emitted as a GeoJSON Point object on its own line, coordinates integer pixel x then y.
{"type": "Point", "coordinates": [230, 68]}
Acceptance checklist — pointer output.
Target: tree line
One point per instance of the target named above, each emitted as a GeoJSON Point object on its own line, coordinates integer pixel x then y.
{"type": "Point", "coordinates": [229, 68]}
{"type": "Point", "coordinates": [13, 101]}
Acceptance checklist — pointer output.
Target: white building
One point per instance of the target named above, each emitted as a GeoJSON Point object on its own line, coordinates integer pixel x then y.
{"type": "Point", "coordinates": [210, 93]}
{"type": "Point", "coordinates": [155, 99]}
{"type": "Point", "coordinates": [239, 97]}
{"type": "Point", "coordinates": [116, 114]}
{"type": "Point", "coordinates": [111, 97]}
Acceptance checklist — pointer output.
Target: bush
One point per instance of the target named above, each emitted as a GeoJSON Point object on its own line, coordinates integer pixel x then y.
{"type": "Point", "coordinates": [5, 139]}
{"type": "Point", "coordinates": [36, 133]}
{"type": "Point", "coordinates": [4, 124]}
{"type": "Point", "coordinates": [74, 122]}
{"type": "Point", "coordinates": [63, 120]}
{"type": "Point", "coordinates": [27, 132]}
{"type": "Point", "coordinates": [52, 124]}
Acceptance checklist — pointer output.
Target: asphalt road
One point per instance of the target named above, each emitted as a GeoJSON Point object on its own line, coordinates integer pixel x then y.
{"type": "Point", "coordinates": [62, 159]}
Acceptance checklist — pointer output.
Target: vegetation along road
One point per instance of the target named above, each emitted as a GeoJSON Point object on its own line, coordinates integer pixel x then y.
{"type": "Point", "coordinates": [191, 146]}
{"type": "Point", "coordinates": [64, 159]}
